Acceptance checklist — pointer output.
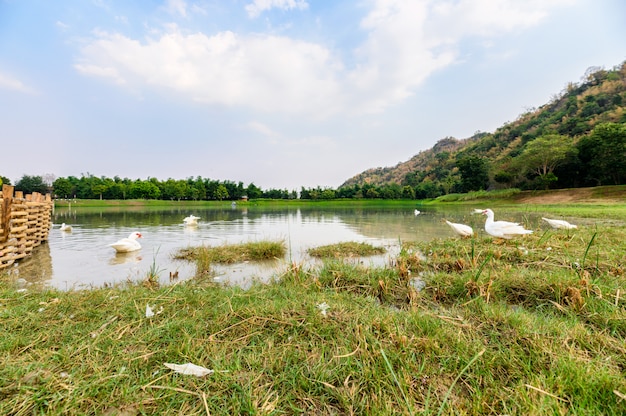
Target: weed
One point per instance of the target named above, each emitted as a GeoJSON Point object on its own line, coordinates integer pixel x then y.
{"type": "Point", "coordinates": [346, 249]}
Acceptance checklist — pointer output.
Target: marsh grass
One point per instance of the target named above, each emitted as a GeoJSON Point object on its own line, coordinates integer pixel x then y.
{"type": "Point", "coordinates": [532, 326]}
{"type": "Point", "coordinates": [235, 253]}
{"type": "Point", "coordinates": [204, 256]}
{"type": "Point", "coordinates": [345, 249]}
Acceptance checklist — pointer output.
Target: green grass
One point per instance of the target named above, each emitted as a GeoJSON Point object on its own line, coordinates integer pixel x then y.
{"type": "Point", "coordinates": [345, 249]}
{"type": "Point", "coordinates": [204, 256]}
{"type": "Point", "coordinates": [531, 326]}
{"type": "Point", "coordinates": [235, 253]}
{"type": "Point", "coordinates": [503, 194]}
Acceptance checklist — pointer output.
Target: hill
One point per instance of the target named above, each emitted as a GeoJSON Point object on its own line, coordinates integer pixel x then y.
{"type": "Point", "coordinates": [579, 128]}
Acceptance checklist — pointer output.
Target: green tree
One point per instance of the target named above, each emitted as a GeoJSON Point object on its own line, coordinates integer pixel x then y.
{"type": "Point", "coordinates": [29, 184]}
{"type": "Point", "coordinates": [173, 189]}
{"type": "Point", "coordinates": [408, 192]}
{"type": "Point", "coordinates": [253, 191]}
{"type": "Point", "coordinates": [144, 190]}
{"type": "Point", "coordinates": [118, 190]}
{"type": "Point", "coordinates": [427, 189]}
{"type": "Point", "coordinates": [503, 177]}
{"type": "Point", "coordinates": [474, 173]}
{"type": "Point", "coordinates": [197, 190]}
{"type": "Point", "coordinates": [604, 153]}
{"type": "Point", "coordinates": [372, 193]}
{"type": "Point", "coordinates": [542, 155]}
{"type": "Point", "coordinates": [63, 188]}
{"type": "Point", "coordinates": [99, 187]}
{"type": "Point", "coordinates": [4, 180]}
{"type": "Point", "coordinates": [221, 192]}
{"type": "Point", "coordinates": [327, 194]}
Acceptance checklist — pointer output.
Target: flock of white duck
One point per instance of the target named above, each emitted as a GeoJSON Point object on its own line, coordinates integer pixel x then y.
{"type": "Point", "coordinates": [130, 243]}
{"type": "Point", "coordinates": [504, 229]}
{"type": "Point", "coordinates": [499, 229]}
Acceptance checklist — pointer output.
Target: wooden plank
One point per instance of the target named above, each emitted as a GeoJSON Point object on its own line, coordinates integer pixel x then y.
{"type": "Point", "coordinates": [5, 211]}
{"type": "Point", "coordinates": [15, 230]}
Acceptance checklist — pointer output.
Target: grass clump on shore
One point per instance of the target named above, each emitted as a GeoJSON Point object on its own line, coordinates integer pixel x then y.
{"type": "Point", "coordinates": [530, 326]}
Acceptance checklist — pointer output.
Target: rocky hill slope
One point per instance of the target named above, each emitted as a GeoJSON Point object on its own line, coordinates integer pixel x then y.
{"type": "Point", "coordinates": [571, 115]}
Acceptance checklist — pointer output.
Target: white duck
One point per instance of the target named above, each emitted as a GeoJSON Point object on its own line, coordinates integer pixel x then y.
{"type": "Point", "coordinates": [502, 229]}
{"type": "Point", "coordinates": [127, 244]}
{"type": "Point", "coordinates": [559, 223]}
{"type": "Point", "coordinates": [65, 227]}
{"type": "Point", "coordinates": [461, 229]}
{"type": "Point", "coordinates": [191, 220]}
{"type": "Point", "coordinates": [416, 212]}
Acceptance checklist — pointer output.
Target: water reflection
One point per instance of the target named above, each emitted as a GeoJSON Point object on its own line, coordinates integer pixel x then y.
{"type": "Point", "coordinates": [35, 269]}
{"type": "Point", "coordinates": [121, 258]}
{"type": "Point", "coordinates": [83, 257]}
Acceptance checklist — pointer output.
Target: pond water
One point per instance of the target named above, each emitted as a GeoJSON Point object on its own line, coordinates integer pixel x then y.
{"type": "Point", "coordinates": [83, 258]}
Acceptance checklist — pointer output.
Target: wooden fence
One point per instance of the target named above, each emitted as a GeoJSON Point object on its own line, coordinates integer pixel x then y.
{"type": "Point", "coordinates": [25, 223]}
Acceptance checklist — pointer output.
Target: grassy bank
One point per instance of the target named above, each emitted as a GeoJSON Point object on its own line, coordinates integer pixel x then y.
{"type": "Point", "coordinates": [262, 203]}
{"type": "Point", "coordinates": [597, 202]}
{"type": "Point", "coordinates": [530, 326]}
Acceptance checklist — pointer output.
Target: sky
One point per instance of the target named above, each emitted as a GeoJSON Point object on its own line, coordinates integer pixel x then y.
{"type": "Point", "coordinates": [280, 93]}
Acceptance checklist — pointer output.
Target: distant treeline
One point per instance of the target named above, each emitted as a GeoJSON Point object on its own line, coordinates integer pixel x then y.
{"type": "Point", "coordinates": [193, 189]}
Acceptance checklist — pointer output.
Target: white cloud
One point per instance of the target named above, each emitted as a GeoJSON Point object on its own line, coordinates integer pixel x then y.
{"type": "Point", "coordinates": [262, 72]}
{"type": "Point", "coordinates": [177, 7]}
{"type": "Point", "coordinates": [487, 18]}
{"type": "Point", "coordinates": [262, 129]}
{"type": "Point", "coordinates": [257, 7]}
{"type": "Point", "coordinates": [101, 71]}
{"type": "Point", "coordinates": [62, 26]}
{"type": "Point", "coordinates": [404, 42]}
{"type": "Point", "coordinates": [321, 143]}
{"type": "Point", "coordinates": [9, 82]}
{"type": "Point", "coordinates": [102, 4]}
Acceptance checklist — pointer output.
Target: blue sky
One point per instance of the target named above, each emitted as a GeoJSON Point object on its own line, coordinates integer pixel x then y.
{"type": "Point", "coordinates": [279, 93]}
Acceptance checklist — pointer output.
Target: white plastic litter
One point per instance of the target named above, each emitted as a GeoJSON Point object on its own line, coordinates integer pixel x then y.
{"type": "Point", "coordinates": [189, 369]}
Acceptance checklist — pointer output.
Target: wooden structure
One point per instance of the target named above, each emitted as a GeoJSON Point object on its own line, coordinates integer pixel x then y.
{"type": "Point", "coordinates": [25, 223]}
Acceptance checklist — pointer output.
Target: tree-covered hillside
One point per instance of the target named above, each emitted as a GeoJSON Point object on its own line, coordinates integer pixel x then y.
{"type": "Point", "coordinates": [577, 139]}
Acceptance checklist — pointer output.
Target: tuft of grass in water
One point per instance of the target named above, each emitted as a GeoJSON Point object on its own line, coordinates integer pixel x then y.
{"type": "Point", "coordinates": [345, 249]}
{"type": "Point", "coordinates": [514, 327]}
{"type": "Point", "coordinates": [152, 276]}
{"type": "Point", "coordinates": [235, 253]}
{"type": "Point", "coordinates": [204, 256]}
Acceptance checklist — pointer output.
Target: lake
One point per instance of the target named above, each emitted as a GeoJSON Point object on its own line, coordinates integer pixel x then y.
{"type": "Point", "coordinates": [83, 258]}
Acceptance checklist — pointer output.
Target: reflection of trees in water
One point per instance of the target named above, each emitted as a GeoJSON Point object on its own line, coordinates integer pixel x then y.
{"type": "Point", "coordinates": [391, 222]}
{"type": "Point", "coordinates": [138, 216]}
{"type": "Point", "coordinates": [404, 224]}
{"type": "Point", "coordinates": [131, 217]}
{"type": "Point", "coordinates": [63, 215]}
{"type": "Point", "coordinates": [36, 268]}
